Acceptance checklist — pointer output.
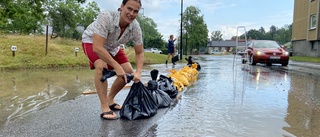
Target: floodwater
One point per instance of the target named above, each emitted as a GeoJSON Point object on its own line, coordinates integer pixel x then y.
{"type": "Point", "coordinates": [26, 91]}
{"type": "Point", "coordinates": [227, 100]}
{"type": "Point", "coordinates": [245, 101]}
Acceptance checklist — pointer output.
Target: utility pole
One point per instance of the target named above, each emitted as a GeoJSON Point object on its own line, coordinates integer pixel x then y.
{"type": "Point", "coordinates": [181, 30]}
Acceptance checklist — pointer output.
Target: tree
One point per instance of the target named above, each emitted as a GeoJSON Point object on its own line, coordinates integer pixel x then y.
{"type": "Point", "coordinates": [262, 31]}
{"type": "Point", "coordinates": [21, 16]}
{"type": "Point", "coordinates": [254, 34]}
{"type": "Point", "coordinates": [89, 14]}
{"type": "Point", "coordinates": [196, 31]}
{"type": "Point", "coordinates": [151, 36]}
{"type": "Point", "coordinates": [216, 35]}
{"type": "Point", "coordinates": [65, 16]}
{"type": "Point", "coordinates": [29, 16]}
{"type": "Point", "coordinates": [282, 35]}
{"type": "Point", "coordinates": [272, 31]}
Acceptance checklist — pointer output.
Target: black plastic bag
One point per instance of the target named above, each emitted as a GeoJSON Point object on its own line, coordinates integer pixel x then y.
{"type": "Point", "coordinates": [139, 103]}
{"type": "Point", "coordinates": [107, 74]}
{"type": "Point", "coordinates": [190, 62]}
{"type": "Point", "coordinates": [166, 84]}
{"type": "Point", "coordinates": [175, 59]}
{"type": "Point", "coordinates": [110, 73]}
{"type": "Point", "coordinates": [162, 98]}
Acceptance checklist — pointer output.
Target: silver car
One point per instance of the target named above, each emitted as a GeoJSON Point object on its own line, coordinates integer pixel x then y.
{"type": "Point", "coordinates": [153, 50]}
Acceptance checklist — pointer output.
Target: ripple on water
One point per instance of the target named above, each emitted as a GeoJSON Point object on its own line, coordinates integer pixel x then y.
{"type": "Point", "coordinates": [215, 107]}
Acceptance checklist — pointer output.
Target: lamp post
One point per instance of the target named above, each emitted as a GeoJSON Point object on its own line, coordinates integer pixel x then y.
{"type": "Point", "coordinates": [76, 50]}
{"type": "Point", "coordinates": [13, 49]}
{"type": "Point", "coordinates": [181, 31]}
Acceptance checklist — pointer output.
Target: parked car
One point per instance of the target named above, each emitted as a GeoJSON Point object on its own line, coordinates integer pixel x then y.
{"type": "Point", "coordinates": [265, 51]}
{"type": "Point", "coordinates": [153, 50]}
{"type": "Point", "coordinates": [215, 52]}
{"type": "Point", "coordinates": [241, 52]}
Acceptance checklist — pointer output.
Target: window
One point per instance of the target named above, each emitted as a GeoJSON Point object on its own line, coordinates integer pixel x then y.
{"type": "Point", "coordinates": [314, 45]}
{"type": "Point", "coordinates": [313, 21]}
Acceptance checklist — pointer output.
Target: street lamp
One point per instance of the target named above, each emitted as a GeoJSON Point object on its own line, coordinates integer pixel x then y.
{"type": "Point", "coordinates": [181, 31]}
{"type": "Point", "coordinates": [76, 50]}
{"type": "Point", "coordinates": [13, 49]}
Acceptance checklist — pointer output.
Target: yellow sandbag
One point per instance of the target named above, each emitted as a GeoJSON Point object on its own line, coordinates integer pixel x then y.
{"type": "Point", "coordinates": [185, 74]}
{"type": "Point", "coordinates": [193, 72]}
{"type": "Point", "coordinates": [178, 84]}
{"type": "Point", "coordinates": [180, 77]}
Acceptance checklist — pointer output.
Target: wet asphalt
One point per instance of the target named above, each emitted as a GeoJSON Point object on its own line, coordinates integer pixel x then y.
{"type": "Point", "coordinates": [80, 117]}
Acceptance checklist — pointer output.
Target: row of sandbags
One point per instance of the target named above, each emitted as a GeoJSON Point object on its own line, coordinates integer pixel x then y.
{"type": "Point", "coordinates": [144, 101]}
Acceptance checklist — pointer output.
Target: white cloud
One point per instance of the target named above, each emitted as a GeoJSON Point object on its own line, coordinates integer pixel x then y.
{"type": "Point", "coordinates": [222, 15]}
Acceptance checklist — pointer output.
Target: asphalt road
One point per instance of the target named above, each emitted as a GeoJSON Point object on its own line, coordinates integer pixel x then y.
{"type": "Point", "coordinates": [80, 117]}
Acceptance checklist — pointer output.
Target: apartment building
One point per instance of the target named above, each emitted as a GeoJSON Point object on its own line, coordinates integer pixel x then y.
{"type": "Point", "coordinates": [306, 28]}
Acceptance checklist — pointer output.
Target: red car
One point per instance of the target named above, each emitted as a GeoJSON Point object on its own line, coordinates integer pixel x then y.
{"type": "Point", "coordinates": [265, 51]}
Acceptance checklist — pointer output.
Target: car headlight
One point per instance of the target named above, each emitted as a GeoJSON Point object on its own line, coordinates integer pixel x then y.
{"type": "Point", "coordinates": [260, 53]}
{"type": "Point", "coordinates": [285, 53]}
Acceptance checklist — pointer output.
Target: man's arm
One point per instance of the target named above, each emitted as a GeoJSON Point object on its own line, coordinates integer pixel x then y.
{"type": "Point", "coordinates": [139, 61]}
{"type": "Point", "coordinates": [102, 53]}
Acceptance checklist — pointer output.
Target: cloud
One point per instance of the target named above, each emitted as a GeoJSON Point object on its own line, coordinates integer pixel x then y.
{"type": "Point", "coordinates": [219, 15]}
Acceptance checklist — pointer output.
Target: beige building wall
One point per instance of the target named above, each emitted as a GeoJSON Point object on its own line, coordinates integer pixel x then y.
{"type": "Point", "coordinates": [300, 20]}
{"type": "Point", "coordinates": [305, 39]}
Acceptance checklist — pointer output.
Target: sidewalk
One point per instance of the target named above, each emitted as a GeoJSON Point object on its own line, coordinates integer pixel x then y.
{"type": "Point", "coordinates": [305, 64]}
{"type": "Point", "coordinates": [304, 67]}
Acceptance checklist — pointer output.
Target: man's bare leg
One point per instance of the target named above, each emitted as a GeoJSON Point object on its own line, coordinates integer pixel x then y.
{"type": "Point", "coordinates": [119, 83]}
{"type": "Point", "coordinates": [102, 88]}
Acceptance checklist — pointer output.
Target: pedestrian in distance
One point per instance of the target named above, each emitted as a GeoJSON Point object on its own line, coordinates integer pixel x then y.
{"type": "Point", "coordinates": [100, 42]}
{"type": "Point", "coordinates": [171, 48]}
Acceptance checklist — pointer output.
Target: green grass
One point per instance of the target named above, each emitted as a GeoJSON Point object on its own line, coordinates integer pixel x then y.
{"type": "Point", "coordinates": [31, 53]}
{"type": "Point", "coordinates": [305, 59]}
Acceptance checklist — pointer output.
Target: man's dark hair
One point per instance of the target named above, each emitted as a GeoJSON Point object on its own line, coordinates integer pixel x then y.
{"type": "Point", "coordinates": [125, 1]}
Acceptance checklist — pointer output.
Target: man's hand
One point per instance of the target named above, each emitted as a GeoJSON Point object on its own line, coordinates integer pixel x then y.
{"type": "Point", "coordinates": [121, 73]}
{"type": "Point", "coordinates": [136, 77]}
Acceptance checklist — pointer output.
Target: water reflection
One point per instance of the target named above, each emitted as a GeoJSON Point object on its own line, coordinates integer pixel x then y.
{"type": "Point", "coordinates": [245, 101]}
{"type": "Point", "coordinates": [25, 91]}
{"type": "Point", "coordinates": [304, 106]}
{"type": "Point", "coordinates": [249, 101]}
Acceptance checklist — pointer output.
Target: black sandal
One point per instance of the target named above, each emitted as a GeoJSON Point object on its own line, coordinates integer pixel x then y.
{"type": "Point", "coordinates": [113, 106]}
{"type": "Point", "coordinates": [108, 113]}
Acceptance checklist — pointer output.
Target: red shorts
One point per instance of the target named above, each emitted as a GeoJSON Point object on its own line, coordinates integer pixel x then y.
{"type": "Point", "coordinates": [120, 57]}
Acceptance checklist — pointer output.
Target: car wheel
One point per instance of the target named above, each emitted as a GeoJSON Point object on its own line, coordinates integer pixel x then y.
{"type": "Point", "coordinates": [285, 64]}
{"type": "Point", "coordinates": [252, 60]}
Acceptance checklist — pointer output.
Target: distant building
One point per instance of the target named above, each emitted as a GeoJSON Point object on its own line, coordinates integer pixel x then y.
{"type": "Point", "coordinates": [305, 28]}
{"type": "Point", "coordinates": [225, 46]}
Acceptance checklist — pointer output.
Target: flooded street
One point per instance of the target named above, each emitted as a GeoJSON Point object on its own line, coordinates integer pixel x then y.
{"type": "Point", "coordinates": [228, 100]}
{"type": "Point", "coordinates": [27, 91]}
{"type": "Point", "coordinates": [246, 101]}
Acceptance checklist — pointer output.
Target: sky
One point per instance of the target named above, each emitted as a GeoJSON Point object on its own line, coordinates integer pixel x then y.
{"type": "Point", "coordinates": [220, 15]}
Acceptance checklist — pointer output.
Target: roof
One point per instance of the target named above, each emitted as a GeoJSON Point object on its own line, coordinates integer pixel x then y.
{"type": "Point", "coordinates": [228, 43]}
